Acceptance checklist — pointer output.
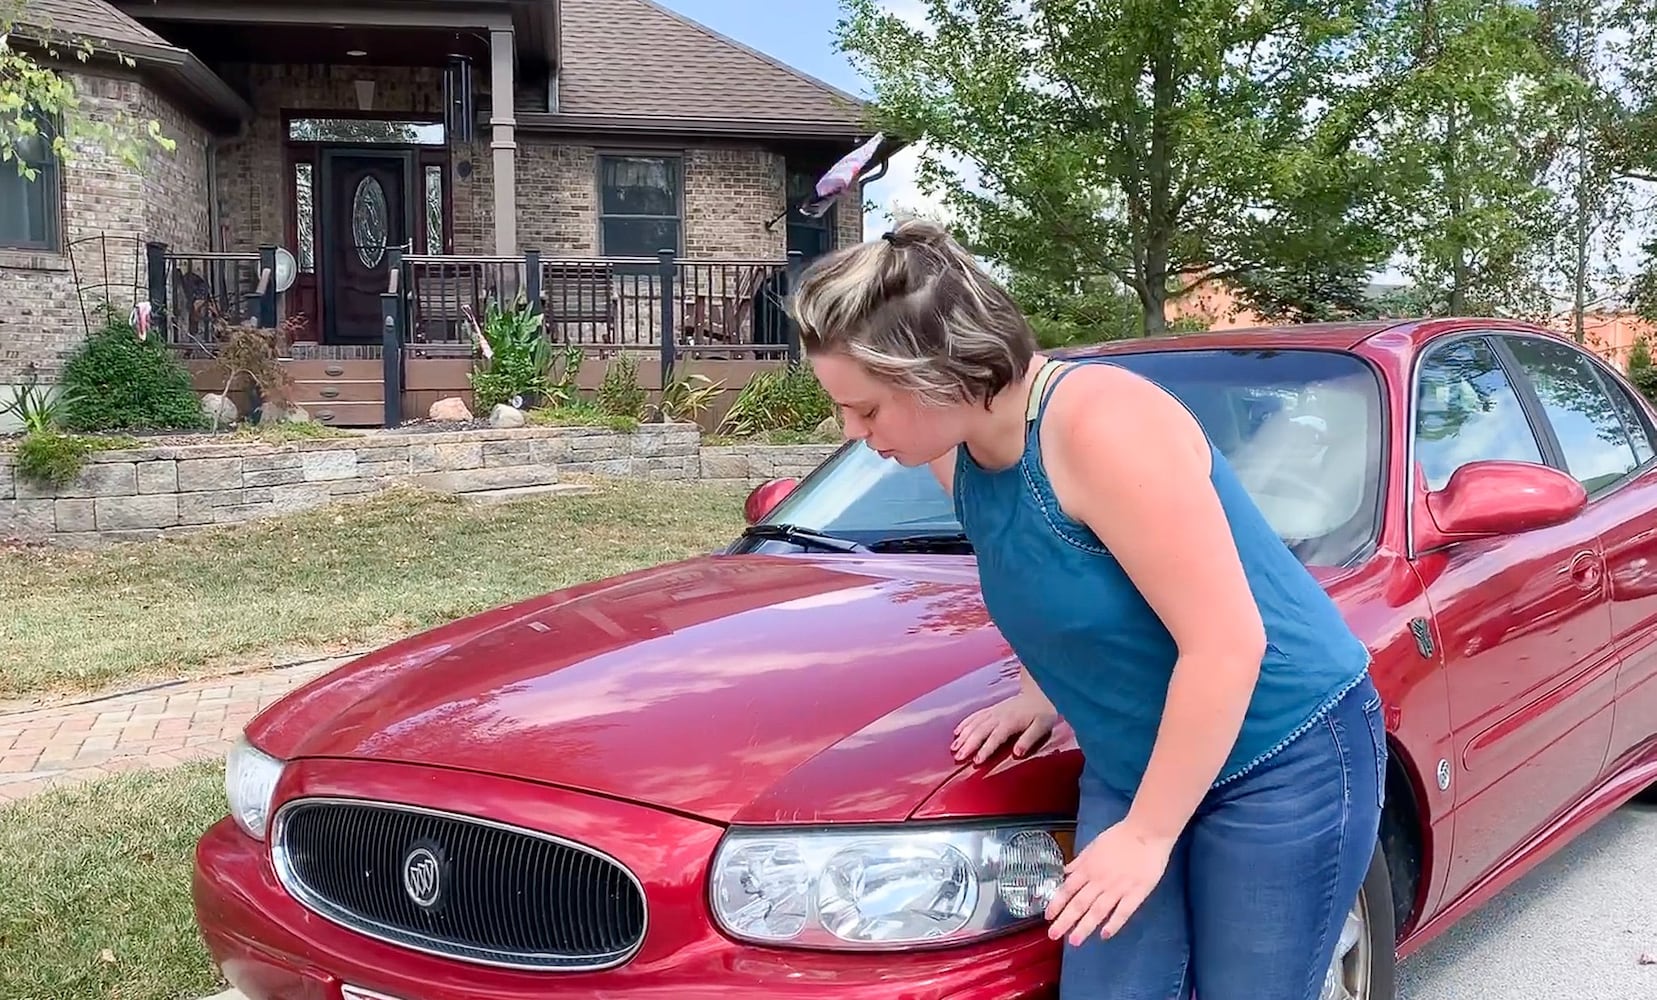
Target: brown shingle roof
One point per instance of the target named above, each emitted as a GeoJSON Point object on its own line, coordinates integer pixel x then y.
{"type": "Point", "coordinates": [93, 20]}
{"type": "Point", "coordinates": [634, 57]}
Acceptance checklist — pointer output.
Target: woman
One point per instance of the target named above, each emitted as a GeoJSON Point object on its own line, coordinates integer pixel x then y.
{"type": "Point", "coordinates": [1230, 797]}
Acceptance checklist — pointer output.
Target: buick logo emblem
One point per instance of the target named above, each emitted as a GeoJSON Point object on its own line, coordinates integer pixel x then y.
{"type": "Point", "coordinates": [423, 877]}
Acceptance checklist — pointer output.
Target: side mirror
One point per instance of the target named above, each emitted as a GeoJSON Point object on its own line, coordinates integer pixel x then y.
{"type": "Point", "coordinates": [1499, 497]}
{"type": "Point", "coordinates": [765, 497]}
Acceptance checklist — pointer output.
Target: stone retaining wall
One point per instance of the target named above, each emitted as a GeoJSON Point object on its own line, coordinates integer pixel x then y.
{"type": "Point", "coordinates": [151, 492]}
{"type": "Point", "coordinates": [754, 464]}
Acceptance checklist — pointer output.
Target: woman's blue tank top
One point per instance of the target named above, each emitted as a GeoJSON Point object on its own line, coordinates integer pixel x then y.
{"type": "Point", "coordinates": [1098, 650]}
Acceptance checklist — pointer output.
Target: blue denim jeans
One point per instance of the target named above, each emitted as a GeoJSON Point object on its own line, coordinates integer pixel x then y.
{"type": "Point", "coordinates": [1259, 885]}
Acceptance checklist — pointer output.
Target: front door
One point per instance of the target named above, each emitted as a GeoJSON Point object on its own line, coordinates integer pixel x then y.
{"type": "Point", "coordinates": [365, 214]}
{"type": "Point", "coordinates": [1524, 622]}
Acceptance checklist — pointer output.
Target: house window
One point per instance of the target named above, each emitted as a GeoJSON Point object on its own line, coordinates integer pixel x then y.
{"type": "Point", "coordinates": [638, 211]}
{"type": "Point", "coordinates": [29, 205]}
{"type": "Point", "coordinates": [360, 131]}
{"type": "Point", "coordinates": [304, 217]}
{"type": "Point", "coordinates": [812, 237]}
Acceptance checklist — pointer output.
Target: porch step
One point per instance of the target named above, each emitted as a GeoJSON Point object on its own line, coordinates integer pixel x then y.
{"type": "Point", "coordinates": [370, 413]}
{"type": "Point", "coordinates": [339, 390]}
{"type": "Point", "coordinates": [318, 369]}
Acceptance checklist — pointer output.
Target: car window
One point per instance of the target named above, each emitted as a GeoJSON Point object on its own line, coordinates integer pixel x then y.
{"type": "Point", "coordinates": [1583, 415]}
{"type": "Point", "coordinates": [1467, 411]}
{"type": "Point", "coordinates": [1302, 429]}
{"type": "Point", "coordinates": [1633, 417]}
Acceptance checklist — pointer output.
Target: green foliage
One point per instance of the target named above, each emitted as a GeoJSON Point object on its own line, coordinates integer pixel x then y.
{"type": "Point", "coordinates": [686, 397]}
{"type": "Point", "coordinates": [580, 413]}
{"type": "Point", "coordinates": [1473, 107]}
{"type": "Point", "coordinates": [1645, 380]}
{"type": "Point", "coordinates": [619, 394]}
{"type": "Point", "coordinates": [35, 408]}
{"type": "Point", "coordinates": [1064, 314]}
{"type": "Point", "coordinates": [41, 113]}
{"type": "Point", "coordinates": [1641, 372]}
{"type": "Point", "coordinates": [52, 459]}
{"type": "Point", "coordinates": [1142, 142]}
{"type": "Point", "coordinates": [781, 399]}
{"type": "Point", "coordinates": [1639, 356]}
{"type": "Point", "coordinates": [114, 381]}
{"type": "Point", "coordinates": [515, 357]}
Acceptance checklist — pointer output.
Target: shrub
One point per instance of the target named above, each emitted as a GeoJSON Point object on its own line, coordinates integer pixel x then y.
{"type": "Point", "coordinates": [115, 381]}
{"type": "Point", "coordinates": [517, 357]}
{"type": "Point", "coordinates": [1645, 380]}
{"type": "Point", "coordinates": [620, 394]}
{"type": "Point", "coordinates": [784, 399]}
{"type": "Point", "coordinates": [52, 459]}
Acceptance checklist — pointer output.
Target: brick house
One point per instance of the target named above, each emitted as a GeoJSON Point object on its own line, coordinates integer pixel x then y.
{"type": "Point", "coordinates": [342, 131]}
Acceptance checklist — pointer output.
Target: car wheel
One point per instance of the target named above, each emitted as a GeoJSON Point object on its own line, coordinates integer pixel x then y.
{"type": "Point", "coordinates": [1364, 965]}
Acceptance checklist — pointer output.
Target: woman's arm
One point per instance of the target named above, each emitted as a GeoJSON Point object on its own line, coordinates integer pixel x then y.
{"type": "Point", "coordinates": [1141, 483]}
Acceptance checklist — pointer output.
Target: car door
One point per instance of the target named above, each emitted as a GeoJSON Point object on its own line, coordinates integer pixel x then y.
{"type": "Point", "coordinates": [1606, 438]}
{"type": "Point", "coordinates": [1523, 620]}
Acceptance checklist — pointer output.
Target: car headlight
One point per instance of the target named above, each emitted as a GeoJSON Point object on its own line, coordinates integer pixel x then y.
{"type": "Point", "coordinates": [250, 777]}
{"type": "Point", "coordinates": [885, 888]}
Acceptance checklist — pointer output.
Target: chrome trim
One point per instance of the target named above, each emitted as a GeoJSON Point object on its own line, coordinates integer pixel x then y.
{"type": "Point", "coordinates": [308, 898]}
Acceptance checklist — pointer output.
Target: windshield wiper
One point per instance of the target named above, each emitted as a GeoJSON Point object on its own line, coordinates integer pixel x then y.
{"type": "Point", "coordinates": [802, 536]}
{"type": "Point", "coordinates": [953, 541]}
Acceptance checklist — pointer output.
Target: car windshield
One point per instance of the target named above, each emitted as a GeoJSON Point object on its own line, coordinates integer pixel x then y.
{"type": "Point", "coordinates": [1301, 428]}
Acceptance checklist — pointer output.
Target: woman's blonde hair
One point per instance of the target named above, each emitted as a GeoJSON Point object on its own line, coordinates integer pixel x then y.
{"type": "Point", "coordinates": [918, 311]}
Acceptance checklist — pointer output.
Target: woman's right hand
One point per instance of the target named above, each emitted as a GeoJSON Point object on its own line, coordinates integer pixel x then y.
{"type": "Point", "coordinates": [1026, 715]}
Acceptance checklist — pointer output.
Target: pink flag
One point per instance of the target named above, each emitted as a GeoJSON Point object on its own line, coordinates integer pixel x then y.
{"type": "Point", "coordinates": [840, 177]}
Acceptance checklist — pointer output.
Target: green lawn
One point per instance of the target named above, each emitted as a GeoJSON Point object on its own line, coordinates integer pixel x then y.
{"type": "Point", "coordinates": [95, 889]}
{"type": "Point", "coordinates": [336, 577]}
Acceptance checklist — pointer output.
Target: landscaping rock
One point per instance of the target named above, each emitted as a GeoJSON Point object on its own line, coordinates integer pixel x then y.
{"type": "Point", "coordinates": [275, 413]}
{"type": "Point", "coordinates": [830, 425]}
{"type": "Point", "coordinates": [506, 416]}
{"type": "Point", "coordinates": [450, 408]}
{"type": "Point", "coordinates": [221, 412]}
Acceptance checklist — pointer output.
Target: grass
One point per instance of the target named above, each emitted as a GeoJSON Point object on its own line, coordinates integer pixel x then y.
{"type": "Point", "coordinates": [337, 577]}
{"type": "Point", "coordinates": [95, 888]}
{"type": "Point", "coordinates": [283, 433]}
{"type": "Point", "coordinates": [579, 414]}
{"type": "Point", "coordinates": [775, 437]}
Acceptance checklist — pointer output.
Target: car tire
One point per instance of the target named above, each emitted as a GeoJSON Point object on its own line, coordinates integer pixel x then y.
{"type": "Point", "coordinates": [1376, 899]}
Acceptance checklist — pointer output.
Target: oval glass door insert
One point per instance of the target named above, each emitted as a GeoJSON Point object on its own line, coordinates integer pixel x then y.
{"type": "Point", "coordinates": [368, 221]}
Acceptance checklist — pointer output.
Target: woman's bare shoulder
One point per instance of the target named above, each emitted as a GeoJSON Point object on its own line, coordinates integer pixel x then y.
{"type": "Point", "coordinates": [1105, 414]}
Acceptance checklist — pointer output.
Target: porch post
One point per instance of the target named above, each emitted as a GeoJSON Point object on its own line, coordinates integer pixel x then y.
{"type": "Point", "coordinates": [503, 142]}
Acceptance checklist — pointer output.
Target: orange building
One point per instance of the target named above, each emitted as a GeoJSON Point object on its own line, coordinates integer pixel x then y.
{"type": "Point", "coordinates": [1608, 329]}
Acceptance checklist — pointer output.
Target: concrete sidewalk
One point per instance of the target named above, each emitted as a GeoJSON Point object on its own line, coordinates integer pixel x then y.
{"type": "Point", "coordinates": [154, 727]}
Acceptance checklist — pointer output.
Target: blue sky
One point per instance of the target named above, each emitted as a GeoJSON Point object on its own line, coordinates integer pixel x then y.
{"type": "Point", "coordinates": [801, 34]}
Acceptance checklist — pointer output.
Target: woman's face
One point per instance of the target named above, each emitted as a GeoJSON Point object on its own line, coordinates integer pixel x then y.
{"type": "Point", "coordinates": [890, 420]}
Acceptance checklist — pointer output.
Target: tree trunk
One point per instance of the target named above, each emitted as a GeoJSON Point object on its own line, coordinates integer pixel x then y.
{"type": "Point", "coordinates": [1159, 223]}
{"type": "Point", "coordinates": [1579, 279]}
{"type": "Point", "coordinates": [1459, 272]}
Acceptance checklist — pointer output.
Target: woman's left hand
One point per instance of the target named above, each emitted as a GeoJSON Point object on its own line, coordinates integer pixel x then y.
{"type": "Point", "coordinates": [1107, 882]}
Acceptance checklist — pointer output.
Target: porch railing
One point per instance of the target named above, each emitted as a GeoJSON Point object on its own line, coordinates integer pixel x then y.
{"type": "Point", "coordinates": [195, 295]}
{"type": "Point", "coordinates": [706, 308]}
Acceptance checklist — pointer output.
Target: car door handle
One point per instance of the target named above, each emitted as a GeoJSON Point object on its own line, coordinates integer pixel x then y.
{"type": "Point", "coordinates": [1585, 569]}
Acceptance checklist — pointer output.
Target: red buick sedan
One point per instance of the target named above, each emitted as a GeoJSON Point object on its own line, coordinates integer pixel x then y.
{"type": "Point", "coordinates": [730, 777]}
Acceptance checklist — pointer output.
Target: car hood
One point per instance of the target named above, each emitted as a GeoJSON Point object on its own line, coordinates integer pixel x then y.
{"type": "Point", "coordinates": [747, 687]}
{"type": "Point", "coordinates": [744, 688]}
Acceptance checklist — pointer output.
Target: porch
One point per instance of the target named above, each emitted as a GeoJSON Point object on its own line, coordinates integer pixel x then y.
{"type": "Point", "coordinates": [723, 318]}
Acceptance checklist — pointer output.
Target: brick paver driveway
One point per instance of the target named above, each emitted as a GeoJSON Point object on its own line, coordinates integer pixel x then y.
{"type": "Point", "coordinates": [155, 727]}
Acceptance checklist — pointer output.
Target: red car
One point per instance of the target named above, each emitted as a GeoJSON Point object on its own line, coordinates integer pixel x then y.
{"type": "Point", "coordinates": [730, 777]}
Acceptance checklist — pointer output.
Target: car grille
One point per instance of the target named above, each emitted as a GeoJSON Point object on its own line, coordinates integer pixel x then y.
{"type": "Point", "coordinates": [459, 886]}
